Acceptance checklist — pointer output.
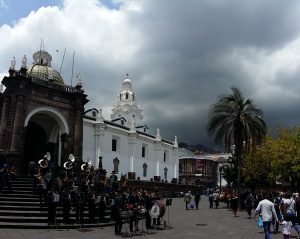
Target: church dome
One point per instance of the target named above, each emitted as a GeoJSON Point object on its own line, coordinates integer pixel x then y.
{"type": "Point", "coordinates": [41, 68]}
{"type": "Point", "coordinates": [127, 85]}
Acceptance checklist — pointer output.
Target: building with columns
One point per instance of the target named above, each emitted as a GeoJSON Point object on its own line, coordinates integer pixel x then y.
{"type": "Point", "coordinates": [39, 114]}
{"type": "Point", "coordinates": [124, 142]}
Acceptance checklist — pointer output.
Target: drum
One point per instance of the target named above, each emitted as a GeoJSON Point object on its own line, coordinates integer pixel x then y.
{"type": "Point", "coordinates": [126, 213]}
{"type": "Point", "coordinates": [158, 209]}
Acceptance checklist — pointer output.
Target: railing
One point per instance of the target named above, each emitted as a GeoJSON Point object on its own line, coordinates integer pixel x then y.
{"type": "Point", "coordinates": [53, 85]}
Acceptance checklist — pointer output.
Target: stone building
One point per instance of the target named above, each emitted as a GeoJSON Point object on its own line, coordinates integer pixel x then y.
{"type": "Point", "coordinates": [39, 114]}
{"type": "Point", "coordinates": [201, 169]}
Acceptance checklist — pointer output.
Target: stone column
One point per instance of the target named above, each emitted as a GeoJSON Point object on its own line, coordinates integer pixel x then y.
{"type": "Point", "coordinates": [17, 126]}
{"type": "Point", "coordinates": [64, 148]}
{"type": "Point", "coordinates": [3, 124]}
{"type": "Point", "coordinates": [132, 149]}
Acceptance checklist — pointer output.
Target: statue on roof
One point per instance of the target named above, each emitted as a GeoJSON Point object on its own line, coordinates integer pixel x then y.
{"type": "Point", "coordinates": [78, 78]}
{"type": "Point", "coordinates": [24, 62]}
{"type": "Point", "coordinates": [13, 63]}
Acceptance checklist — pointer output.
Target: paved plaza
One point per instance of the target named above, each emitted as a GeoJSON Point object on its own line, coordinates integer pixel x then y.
{"type": "Point", "coordinates": [183, 224]}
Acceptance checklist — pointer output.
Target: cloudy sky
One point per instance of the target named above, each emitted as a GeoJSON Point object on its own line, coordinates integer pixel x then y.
{"type": "Point", "coordinates": [180, 55]}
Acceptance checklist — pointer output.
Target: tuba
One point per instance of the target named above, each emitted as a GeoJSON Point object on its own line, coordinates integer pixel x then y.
{"type": "Point", "coordinates": [85, 166]}
{"type": "Point", "coordinates": [69, 164]}
{"type": "Point", "coordinates": [43, 163]}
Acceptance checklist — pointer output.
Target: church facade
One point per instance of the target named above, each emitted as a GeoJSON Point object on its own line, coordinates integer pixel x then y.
{"type": "Point", "coordinates": [39, 114]}
{"type": "Point", "coordinates": [125, 144]}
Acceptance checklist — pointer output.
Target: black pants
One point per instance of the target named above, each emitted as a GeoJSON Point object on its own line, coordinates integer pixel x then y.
{"type": "Point", "coordinates": [52, 212]}
{"type": "Point", "coordinates": [148, 219]}
{"type": "Point", "coordinates": [79, 212]}
{"type": "Point", "coordinates": [66, 212]}
{"type": "Point", "coordinates": [92, 208]}
{"type": "Point", "coordinates": [118, 221]}
{"type": "Point", "coordinates": [197, 204]}
{"type": "Point", "coordinates": [101, 213]}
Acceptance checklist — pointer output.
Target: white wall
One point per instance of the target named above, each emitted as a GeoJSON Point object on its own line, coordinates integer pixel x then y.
{"type": "Point", "coordinates": [97, 140]}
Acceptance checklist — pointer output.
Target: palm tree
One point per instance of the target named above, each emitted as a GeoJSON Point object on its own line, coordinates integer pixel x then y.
{"type": "Point", "coordinates": [239, 123]}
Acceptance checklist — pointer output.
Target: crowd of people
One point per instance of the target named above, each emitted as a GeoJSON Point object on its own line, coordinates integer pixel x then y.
{"type": "Point", "coordinates": [274, 208]}
{"type": "Point", "coordinates": [89, 193]}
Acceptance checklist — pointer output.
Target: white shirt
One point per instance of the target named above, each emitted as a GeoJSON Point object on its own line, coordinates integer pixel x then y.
{"type": "Point", "coordinates": [267, 210]}
{"type": "Point", "coordinates": [289, 203]}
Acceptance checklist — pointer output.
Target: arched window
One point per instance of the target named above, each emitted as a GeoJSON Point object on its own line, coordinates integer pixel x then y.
{"type": "Point", "coordinates": [126, 95]}
{"type": "Point", "coordinates": [116, 163]}
{"type": "Point", "coordinates": [166, 173]}
{"type": "Point", "coordinates": [133, 97]}
{"type": "Point", "coordinates": [120, 97]}
{"type": "Point", "coordinates": [145, 170]}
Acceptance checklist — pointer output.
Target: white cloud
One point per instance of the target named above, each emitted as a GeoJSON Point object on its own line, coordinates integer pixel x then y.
{"type": "Point", "coordinates": [180, 56]}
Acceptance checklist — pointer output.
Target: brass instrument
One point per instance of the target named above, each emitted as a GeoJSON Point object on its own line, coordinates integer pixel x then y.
{"type": "Point", "coordinates": [85, 167]}
{"type": "Point", "coordinates": [70, 163]}
{"type": "Point", "coordinates": [44, 162]}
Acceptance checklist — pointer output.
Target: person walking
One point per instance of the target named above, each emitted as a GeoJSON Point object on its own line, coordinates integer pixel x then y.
{"type": "Point", "coordinates": [287, 228]}
{"type": "Point", "coordinates": [197, 199]}
{"type": "Point", "coordinates": [211, 200]}
{"type": "Point", "coordinates": [234, 203]}
{"type": "Point", "coordinates": [267, 211]}
{"type": "Point", "coordinates": [289, 210]}
{"type": "Point", "coordinates": [249, 204]}
{"type": "Point", "coordinates": [187, 200]}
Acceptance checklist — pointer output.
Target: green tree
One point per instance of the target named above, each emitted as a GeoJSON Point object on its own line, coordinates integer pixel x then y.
{"type": "Point", "coordinates": [277, 159]}
{"type": "Point", "coordinates": [258, 168]}
{"type": "Point", "coordinates": [236, 121]}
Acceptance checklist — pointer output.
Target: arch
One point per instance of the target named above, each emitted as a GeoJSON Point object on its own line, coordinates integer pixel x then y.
{"type": "Point", "coordinates": [54, 114]}
{"type": "Point", "coordinates": [54, 133]}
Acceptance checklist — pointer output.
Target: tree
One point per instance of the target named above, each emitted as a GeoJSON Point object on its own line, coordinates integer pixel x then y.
{"type": "Point", "coordinates": [276, 160]}
{"type": "Point", "coordinates": [236, 121]}
{"type": "Point", "coordinates": [258, 168]}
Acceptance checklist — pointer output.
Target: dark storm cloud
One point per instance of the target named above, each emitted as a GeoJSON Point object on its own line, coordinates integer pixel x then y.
{"type": "Point", "coordinates": [192, 46]}
{"type": "Point", "coordinates": [181, 56]}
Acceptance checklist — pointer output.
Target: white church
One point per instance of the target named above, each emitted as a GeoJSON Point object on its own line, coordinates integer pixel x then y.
{"type": "Point", "coordinates": [124, 143]}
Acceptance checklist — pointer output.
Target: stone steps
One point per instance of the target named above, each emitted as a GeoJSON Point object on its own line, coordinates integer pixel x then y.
{"type": "Point", "coordinates": [21, 209]}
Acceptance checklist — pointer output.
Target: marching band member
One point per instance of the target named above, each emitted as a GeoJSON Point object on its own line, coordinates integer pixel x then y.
{"type": "Point", "coordinates": [66, 204]}
{"type": "Point", "coordinates": [53, 199]}
{"type": "Point", "coordinates": [118, 205]}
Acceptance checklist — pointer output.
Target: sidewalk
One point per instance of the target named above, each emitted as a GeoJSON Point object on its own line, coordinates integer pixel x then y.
{"type": "Point", "coordinates": [183, 224]}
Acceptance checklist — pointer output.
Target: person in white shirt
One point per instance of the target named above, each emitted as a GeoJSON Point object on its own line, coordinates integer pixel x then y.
{"type": "Point", "coordinates": [289, 210]}
{"type": "Point", "coordinates": [267, 211]}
